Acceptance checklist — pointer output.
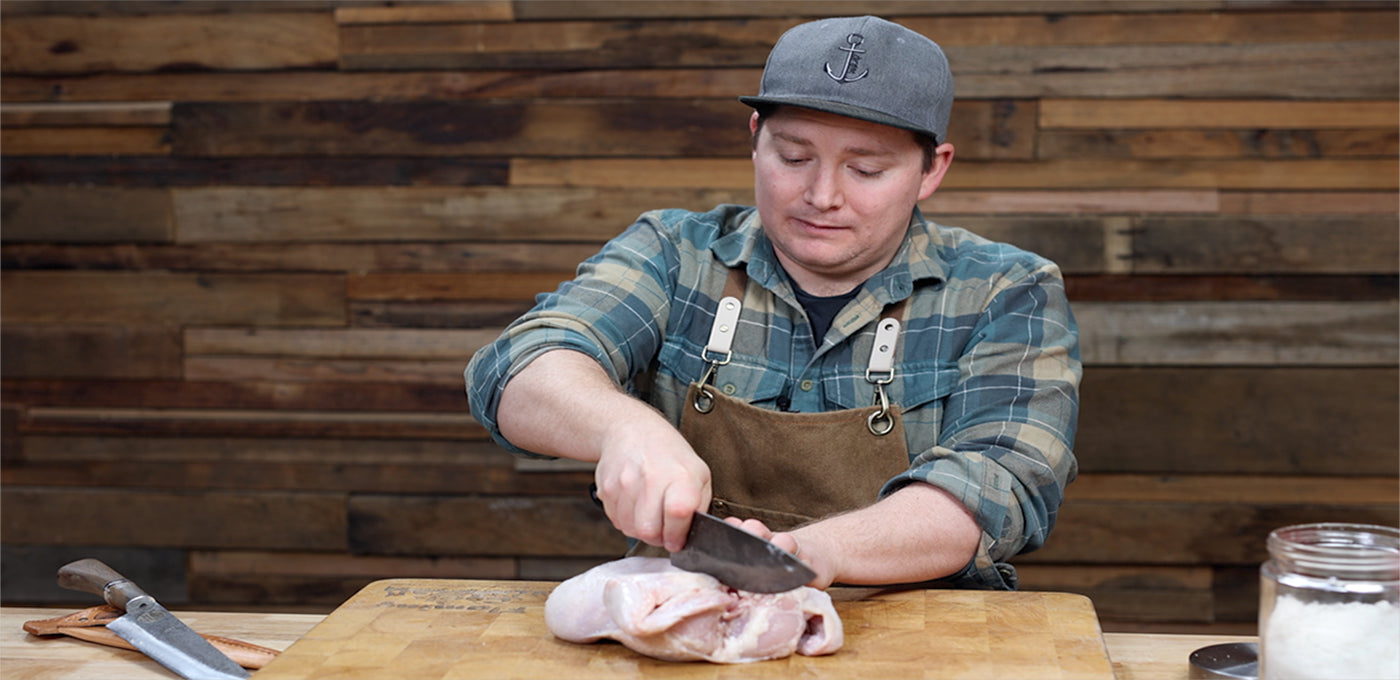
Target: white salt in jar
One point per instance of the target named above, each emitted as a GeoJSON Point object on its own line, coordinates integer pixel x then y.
{"type": "Point", "coordinates": [1329, 603]}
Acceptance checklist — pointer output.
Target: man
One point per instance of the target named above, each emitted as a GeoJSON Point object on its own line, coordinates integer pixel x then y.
{"type": "Point", "coordinates": [892, 400]}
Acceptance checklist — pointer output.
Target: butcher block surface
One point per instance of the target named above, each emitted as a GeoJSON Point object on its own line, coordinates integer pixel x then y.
{"type": "Point", "coordinates": [435, 628]}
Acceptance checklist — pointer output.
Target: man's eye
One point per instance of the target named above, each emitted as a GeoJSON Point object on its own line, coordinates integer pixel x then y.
{"type": "Point", "coordinates": [791, 160]}
{"type": "Point", "coordinates": [868, 173]}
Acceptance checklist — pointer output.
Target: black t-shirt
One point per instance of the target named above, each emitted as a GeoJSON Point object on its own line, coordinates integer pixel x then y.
{"type": "Point", "coordinates": [821, 311]}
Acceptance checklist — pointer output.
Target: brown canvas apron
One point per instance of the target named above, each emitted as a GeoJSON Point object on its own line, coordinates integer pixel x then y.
{"type": "Point", "coordinates": [788, 469]}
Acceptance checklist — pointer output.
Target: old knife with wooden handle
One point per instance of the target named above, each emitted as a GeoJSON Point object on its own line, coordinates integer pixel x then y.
{"type": "Point", "coordinates": [735, 557]}
{"type": "Point", "coordinates": [738, 558]}
{"type": "Point", "coordinates": [148, 626]}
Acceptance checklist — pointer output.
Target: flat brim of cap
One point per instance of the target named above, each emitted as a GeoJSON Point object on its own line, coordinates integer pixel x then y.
{"type": "Point", "coordinates": [840, 109]}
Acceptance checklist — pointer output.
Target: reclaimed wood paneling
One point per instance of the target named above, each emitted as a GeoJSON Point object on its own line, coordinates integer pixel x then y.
{"type": "Point", "coordinates": [233, 578]}
{"type": "Point", "coordinates": [293, 86]}
{"type": "Point", "coordinates": [168, 519]}
{"type": "Point", "coordinates": [250, 423]}
{"type": "Point", "coordinates": [415, 213]}
{"type": "Point", "coordinates": [1250, 174]}
{"type": "Point", "coordinates": [164, 569]}
{"type": "Point", "coordinates": [1309, 202]}
{"type": "Point", "coordinates": [296, 257]}
{"type": "Point", "coordinates": [1341, 70]}
{"type": "Point", "coordinates": [243, 41]}
{"type": "Point", "coordinates": [234, 369]}
{"type": "Point", "coordinates": [435, 313]}
{"type": "Point", "coordinates": [407, 466]}
{"type": "Point", "coordinates": [1196, 143]}
{"type": "Point", "coordinates": [248, 248]}
{"type": "Point", "coordinates": [522, 127]}
{"type": "Point", "coordinates": [1099, 114]}
{"type": "Point", "coordinates": [1130, 420]}
{"type": "Point", "coordinates": [463, 128]}
{"type": "Point", "coordinates": [480, 525]}
{"type": "Point", "coordinates": [131, 141]}
{"type": "Point", "coordinates": [85, 214]}
{"type": "Point", "coordinates": [1320, 244]}
{"type": "Point", "coordinates": [137, 171]}
{"type": "Point", "coordinates": [483, 10]}
{"type": "Point", "coordinates": [1125, 593]}
{"type": "Point", "coordinates": [726, 42]}
{"type": "Point", "coordinates": [1225, 287]}
{"type": "Point", "coordinates": [504, 286]}
{"type": "Point", "coordinates": [97, 113]}
{"type": "Point", "coordinates": [682, 9]}
{"type": "Point", "coordinates": [159, 297]}
{"type": "Point", "coordinates": [86, 352]}
{"type": "Point", "coordinates": [559, 44]}
{"type": "Point", "coordinates": [1199, 531]}
{"type": "Point", "coordinates": [338, 343]}
{"type": "Point", "coordinates": [1257, 333]}
{"type": "Point", "coordinates": [249, 395]}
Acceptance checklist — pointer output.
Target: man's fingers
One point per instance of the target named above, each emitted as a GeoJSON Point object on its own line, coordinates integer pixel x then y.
{"type": "Point", "coordinates": [787, 542]}
{"type": "Point", "coordinates": [752, 526]}
{"type": "Point", "coordinates": [678, 509]}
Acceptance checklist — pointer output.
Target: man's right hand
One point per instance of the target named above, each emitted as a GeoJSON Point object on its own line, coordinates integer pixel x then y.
{"type": "Point", "coordinates": [651, 482]}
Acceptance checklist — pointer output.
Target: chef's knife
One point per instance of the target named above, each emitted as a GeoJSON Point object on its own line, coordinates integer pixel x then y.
{"type": "Point", "coordinates": [735, 557]}
{"type": "Point", "coordinates": [148, 626]}
{"type": "Point", "coordinates": [738, 558]}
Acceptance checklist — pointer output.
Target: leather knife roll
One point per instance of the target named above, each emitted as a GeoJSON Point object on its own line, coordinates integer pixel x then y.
{"type": "Point", "coordinates": [90, 624]}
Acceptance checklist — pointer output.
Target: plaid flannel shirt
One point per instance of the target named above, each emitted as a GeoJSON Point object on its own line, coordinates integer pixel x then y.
{"type": "Point", "coordinates": [986, 370]}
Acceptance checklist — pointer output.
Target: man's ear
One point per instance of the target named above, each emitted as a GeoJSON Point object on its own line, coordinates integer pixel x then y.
{"type": "Point", "coordinates": [753, 135]}
{"type": "Point", "coordinates": [942, 160]}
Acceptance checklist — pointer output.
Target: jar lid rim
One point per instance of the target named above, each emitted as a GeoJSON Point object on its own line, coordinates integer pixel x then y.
{"type": "Point", "coordinates": [1346, 547]}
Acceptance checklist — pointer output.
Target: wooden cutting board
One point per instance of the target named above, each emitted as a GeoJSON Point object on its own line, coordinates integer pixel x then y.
{"type": "Point", "coordinates": [427, 629]}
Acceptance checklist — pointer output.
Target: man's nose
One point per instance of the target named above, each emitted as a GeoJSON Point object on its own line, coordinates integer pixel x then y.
{"type": "Point", "coordinates": [824, 189]}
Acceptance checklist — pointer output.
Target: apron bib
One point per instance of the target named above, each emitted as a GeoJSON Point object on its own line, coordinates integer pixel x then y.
{"type": "Point", "coordinates": [789, 469]}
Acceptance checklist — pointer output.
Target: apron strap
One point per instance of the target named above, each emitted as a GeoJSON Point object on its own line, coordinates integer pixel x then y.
{"type": "Point", "coordinates": [880, 369]}
{"type": "Point", "coordinates": [717, 351]}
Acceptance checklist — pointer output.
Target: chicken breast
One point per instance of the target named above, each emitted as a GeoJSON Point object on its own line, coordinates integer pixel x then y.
{"type": "Point", "coordinates": [665, 612]}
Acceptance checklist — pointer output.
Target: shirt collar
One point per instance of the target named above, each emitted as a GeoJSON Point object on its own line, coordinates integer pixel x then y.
{"type": "Point", "coordinates": [917, 260]}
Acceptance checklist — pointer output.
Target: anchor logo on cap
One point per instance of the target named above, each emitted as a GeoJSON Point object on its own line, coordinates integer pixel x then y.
{"type": "Point", "coordinates": [853, 53]}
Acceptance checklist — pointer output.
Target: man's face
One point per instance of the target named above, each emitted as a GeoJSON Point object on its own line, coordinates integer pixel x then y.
{"type": "Point", "coordinates": [835, 193]}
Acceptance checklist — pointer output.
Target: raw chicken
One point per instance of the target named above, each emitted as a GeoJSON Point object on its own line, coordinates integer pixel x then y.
{"type": "Point", "coordinates": [668, 613]}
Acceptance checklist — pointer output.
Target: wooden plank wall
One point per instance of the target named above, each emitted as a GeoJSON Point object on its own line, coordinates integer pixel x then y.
{"type": "Point", "coordinates": [248, 248]}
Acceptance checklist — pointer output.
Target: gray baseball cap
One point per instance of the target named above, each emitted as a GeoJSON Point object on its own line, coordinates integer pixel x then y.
{"type": "Point", "coordinates": [862, 67]}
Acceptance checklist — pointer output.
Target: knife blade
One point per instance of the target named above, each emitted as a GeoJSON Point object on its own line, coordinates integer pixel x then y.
{"type": "Point", "coordinates": [148, 626]}
{"type": "Point", "coordinates": [738, 558]}
{"type": "Point", "coordinates": [733, 556]}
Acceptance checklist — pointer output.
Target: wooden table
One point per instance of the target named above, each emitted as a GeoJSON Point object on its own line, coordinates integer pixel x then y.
{"type": "Point", "coordinates": [22, 656]}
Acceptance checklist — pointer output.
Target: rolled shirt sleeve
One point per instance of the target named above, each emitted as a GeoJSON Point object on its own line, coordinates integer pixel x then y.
{"type": "Point", "coordinates": [614, 311]}
{"type": "Point", "coordinates": [1005, 446]}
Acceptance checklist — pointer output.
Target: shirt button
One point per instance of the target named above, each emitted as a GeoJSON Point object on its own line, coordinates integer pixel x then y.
{"type": "Point", "coordinates": [729, 389]}
{"type": "Point", "coordinates": [807, 385]}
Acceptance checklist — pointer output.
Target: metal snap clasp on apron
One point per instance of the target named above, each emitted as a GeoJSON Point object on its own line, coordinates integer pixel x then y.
{"type": "Point", "coordinates": [880, 423]}
{"type": "Point", "coordinates": [704, 399]}
{"type": "Point", "coordinates": [721, 340]}
{"type": "Point", "coordinates": [880, 372]}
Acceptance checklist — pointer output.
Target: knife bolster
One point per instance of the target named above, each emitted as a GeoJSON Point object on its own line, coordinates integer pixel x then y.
{"type": "Point", "coordinates": [122, 593]}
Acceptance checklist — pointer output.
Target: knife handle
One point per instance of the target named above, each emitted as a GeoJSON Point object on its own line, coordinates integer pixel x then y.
{"type": "Point", "coordinates": [92, 576]}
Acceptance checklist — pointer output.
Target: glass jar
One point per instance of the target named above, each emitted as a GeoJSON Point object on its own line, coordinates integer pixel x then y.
{"type": "Point", "coordinates": [1329, 603]}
